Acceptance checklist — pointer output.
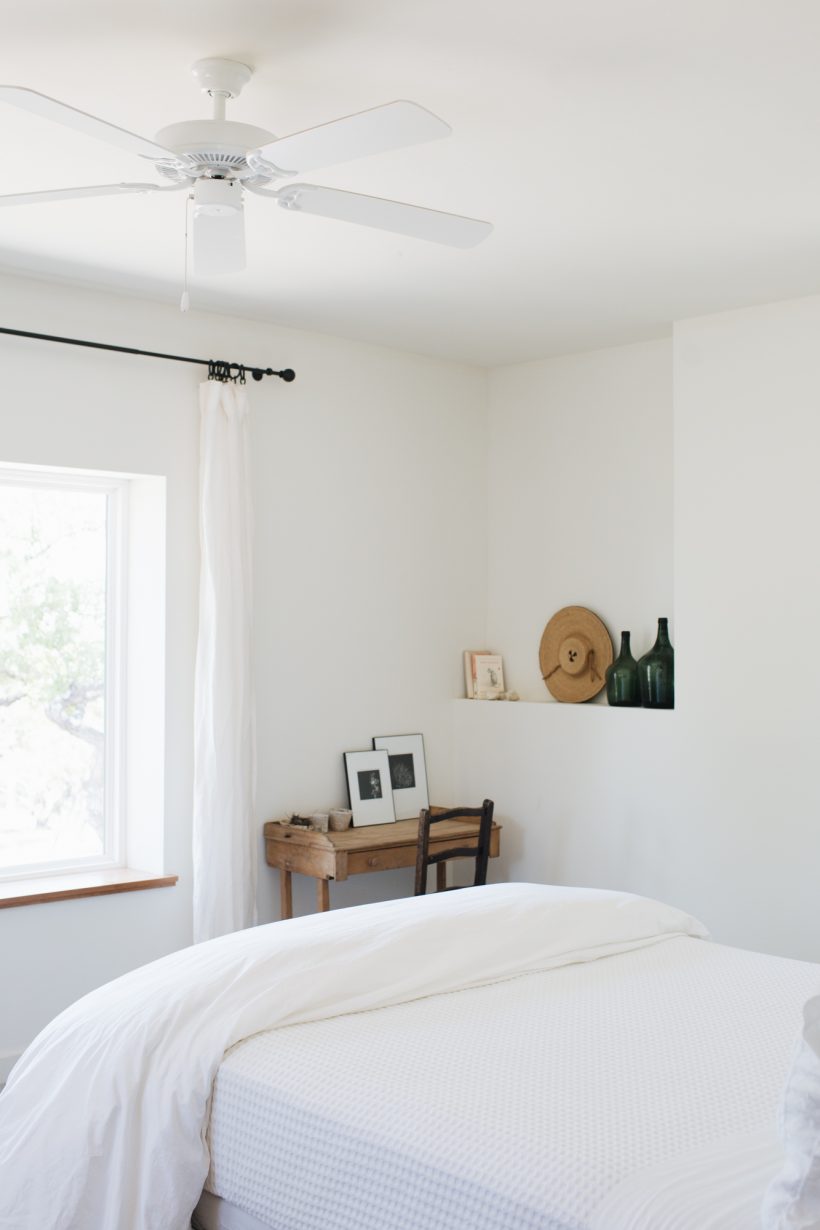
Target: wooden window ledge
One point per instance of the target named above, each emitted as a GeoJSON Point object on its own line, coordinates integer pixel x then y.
{"type": "Point", "coordinates": [39, 889]}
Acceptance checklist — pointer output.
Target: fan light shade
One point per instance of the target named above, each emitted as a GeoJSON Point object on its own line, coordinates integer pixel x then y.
{"type": "Point", "coordinates": [218, 242]}
{"type": "Point", "coordinates": [217, 198]}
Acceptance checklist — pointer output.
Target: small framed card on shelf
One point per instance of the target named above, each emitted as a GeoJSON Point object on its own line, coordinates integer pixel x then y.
{"type": "Point", "coordinates": [488, 676]}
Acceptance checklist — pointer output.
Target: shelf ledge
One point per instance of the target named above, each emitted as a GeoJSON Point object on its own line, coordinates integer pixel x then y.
{"type": "Point", "coordinates": [556, 704]}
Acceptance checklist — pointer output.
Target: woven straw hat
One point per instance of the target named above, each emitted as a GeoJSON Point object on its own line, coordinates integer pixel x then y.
{"type": "Point", "coordinates": [575, 651]}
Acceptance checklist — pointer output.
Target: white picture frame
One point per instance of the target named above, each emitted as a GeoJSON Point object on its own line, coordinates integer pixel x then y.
{"type": "Point", "coordinates": [369, 788]}
{"type": "Point", "coordinates": [408, 773]}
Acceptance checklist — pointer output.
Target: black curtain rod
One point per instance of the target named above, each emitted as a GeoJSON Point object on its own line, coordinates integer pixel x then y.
{"type": "Point", "coordinates": [217, 369]}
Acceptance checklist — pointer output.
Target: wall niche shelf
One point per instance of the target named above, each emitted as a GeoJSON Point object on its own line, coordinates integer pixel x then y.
{"type": "Point", "coordinates": [554, 704]}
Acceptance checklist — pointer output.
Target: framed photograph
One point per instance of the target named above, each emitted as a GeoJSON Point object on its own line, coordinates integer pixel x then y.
{"type": "Point", "coordinates": [488, 671]}
{"type": "Point", "coordinates": [408, 773]}
{"type": "Point", "coordinates": [368, 785]}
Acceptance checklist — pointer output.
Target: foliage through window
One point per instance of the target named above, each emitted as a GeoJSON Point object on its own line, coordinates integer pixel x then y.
{"type": "Point", "coordinates": [59, 544]}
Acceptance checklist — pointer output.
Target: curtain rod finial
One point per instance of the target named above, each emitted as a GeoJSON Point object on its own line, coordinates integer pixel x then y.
{"type": "Point", "coordinates": [287, 375]}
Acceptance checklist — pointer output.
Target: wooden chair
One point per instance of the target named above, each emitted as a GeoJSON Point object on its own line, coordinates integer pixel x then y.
{"type": "Point", "coordinates": [480, 851]}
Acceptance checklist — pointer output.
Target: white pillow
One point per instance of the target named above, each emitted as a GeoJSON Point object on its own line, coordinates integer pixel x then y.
{"type": "Point", "coordinates": [792, 1201]}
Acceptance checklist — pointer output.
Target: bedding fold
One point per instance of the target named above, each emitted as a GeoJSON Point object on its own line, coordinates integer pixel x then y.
{"type": "Point", "coordinates": [103, 1121]}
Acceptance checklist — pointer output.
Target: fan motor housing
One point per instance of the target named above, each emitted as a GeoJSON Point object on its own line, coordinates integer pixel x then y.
{"type": "Point", "coordinates": [216, 147]}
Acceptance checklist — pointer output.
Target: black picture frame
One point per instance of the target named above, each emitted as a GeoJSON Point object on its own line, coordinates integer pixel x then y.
{"type": "Point", "coordinates": [408, 773]}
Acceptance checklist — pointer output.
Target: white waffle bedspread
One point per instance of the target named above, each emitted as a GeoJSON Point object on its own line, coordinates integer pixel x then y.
{"type": "Point", "coordinates": [529, 1103]}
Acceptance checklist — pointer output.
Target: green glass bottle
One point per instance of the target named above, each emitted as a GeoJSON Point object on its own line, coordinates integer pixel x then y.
{"type": "Point", "coordinates": [622, 686]}
{"type": "Point", "coordinates": [656, 671]}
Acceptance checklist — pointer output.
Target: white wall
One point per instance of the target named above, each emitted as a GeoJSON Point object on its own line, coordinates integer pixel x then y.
{"type": "Point", "coordinates": [369, 491]}
{"type": "Point", "coordinates": [713, 806]}
{"type": "Point", "coordinates": [579, 512]}
{"type": "Point", "coordinates": [371, 572]}
{"type": "Point", "coordinates": [747, 512]}
{"type": "Point", "coordinates": [580, 790]}
{"type": "Point", "coordinates": [579, 499]}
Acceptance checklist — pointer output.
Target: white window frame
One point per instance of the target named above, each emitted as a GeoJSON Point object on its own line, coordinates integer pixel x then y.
{"type": "Point", "coordinates": [116, 490]}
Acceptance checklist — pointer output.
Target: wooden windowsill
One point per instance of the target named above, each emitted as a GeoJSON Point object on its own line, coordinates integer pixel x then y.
{"type": "Point", "coordinates": [38, 889]}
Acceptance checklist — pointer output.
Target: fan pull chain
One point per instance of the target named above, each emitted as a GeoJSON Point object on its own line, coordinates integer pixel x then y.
{"type": "Point", "coordinates": [185, 301]}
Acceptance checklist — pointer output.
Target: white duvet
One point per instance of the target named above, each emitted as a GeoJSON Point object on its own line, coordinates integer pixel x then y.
{"type": "Point", "coordinates": [104, 1118]}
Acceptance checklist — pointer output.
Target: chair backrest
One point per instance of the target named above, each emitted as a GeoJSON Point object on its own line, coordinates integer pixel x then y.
{"type": "Point", "coordinates": [480, 851]}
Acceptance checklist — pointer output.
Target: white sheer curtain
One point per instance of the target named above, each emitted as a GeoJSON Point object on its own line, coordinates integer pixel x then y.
{"type": "Point", "coordinates": [224, 840]}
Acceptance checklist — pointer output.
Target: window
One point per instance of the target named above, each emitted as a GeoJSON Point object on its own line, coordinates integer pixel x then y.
{"type": "Point", "coordinates": [63, 564]}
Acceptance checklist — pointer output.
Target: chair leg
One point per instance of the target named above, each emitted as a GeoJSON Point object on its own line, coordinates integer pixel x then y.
{"type": "Point", "coordinates": [421, 853]}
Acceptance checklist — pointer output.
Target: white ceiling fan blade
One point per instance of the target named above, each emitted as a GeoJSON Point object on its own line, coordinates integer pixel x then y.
{"type": "Point", "coordinates": [218, 243]}
{"type": "Point", "coordinates": [91, 125]}
{"type": "Point", "coordinates": [394, 216]}
{"type": "Point", "coordinates": [368, 132]}
{"type": "Point", "coordinates": [73, 194]}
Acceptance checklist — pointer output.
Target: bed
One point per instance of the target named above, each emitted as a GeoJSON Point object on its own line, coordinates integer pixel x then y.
{"type": "Point", "coordinates": [508, 1058]}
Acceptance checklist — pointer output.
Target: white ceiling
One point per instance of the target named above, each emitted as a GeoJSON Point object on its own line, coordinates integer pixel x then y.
{"type": "Point", "coordinates": [642, 160]}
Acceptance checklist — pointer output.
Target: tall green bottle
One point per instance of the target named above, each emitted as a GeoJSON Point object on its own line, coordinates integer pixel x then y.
{"type": "Point", "coordinates": [656, 672]}
{"type": "Point", "coordinates": [622, 688]}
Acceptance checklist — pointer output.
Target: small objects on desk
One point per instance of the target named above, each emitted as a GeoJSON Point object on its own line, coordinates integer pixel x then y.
{"type": "Point", "coordinates": [340, 819]}
{"type": "Point", "coordinates": [319, 821]}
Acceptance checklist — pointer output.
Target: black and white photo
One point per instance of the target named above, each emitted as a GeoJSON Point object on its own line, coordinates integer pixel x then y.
{"type": "Point", "coordinates": [370, 784]}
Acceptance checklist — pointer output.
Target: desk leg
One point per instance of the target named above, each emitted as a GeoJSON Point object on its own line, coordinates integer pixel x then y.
{"type": "Point", "coordinates": [441, 877]}
{"type": "Point", "coordinates": [322, 895]}
{"type": "Point", "coordinates": [285, 894]}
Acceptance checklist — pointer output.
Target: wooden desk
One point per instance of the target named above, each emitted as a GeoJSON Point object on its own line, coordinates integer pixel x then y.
{"type": "Point", "coordinates": [375, 847]}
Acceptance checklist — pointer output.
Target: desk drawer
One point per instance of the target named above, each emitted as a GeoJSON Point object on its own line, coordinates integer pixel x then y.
{"type": "Point", "coordinates": [381, 860]}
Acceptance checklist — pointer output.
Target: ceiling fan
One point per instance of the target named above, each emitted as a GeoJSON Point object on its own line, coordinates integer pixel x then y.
{"type": "Point", "coordinates": [217, 159]}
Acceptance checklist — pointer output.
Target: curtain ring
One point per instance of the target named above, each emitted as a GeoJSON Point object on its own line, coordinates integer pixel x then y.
{"type": "Point", "coordinates": [219, 370]}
